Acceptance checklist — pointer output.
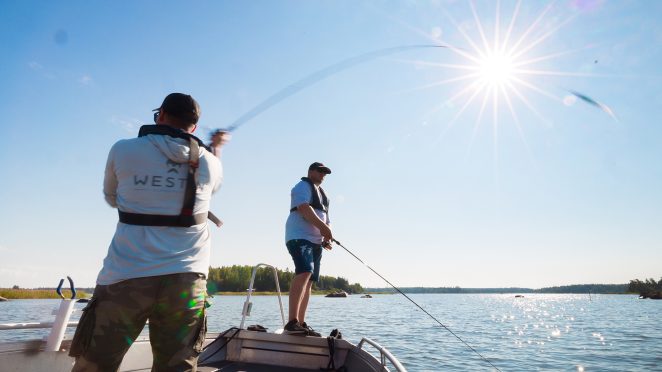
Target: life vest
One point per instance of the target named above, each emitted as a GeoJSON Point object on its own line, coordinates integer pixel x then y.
{"type": "Point", "coordinates": [186, 218]}
{"type": "Point", "coordinates": [315, 202]}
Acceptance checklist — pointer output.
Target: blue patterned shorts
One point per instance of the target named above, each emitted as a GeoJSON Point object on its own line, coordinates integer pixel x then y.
{"type": "Point", "coordinates": [307, 257]}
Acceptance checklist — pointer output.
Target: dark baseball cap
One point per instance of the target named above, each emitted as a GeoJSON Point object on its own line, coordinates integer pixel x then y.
{"type": "Point", "coordinates": [181, 106]}
{"type": "Point", "coordinates": [319, 167]}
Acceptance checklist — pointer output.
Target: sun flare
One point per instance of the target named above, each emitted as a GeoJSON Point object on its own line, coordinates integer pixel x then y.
{"type": "Point", "coordinates": [496, 69]}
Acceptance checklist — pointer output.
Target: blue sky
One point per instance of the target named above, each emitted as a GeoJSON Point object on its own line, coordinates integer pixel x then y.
{"type": "Point", "coordinates": [429, 186]}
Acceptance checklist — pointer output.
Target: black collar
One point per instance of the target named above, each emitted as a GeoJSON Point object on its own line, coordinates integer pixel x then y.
{"type": "Point", "coordinates": [166, 130]}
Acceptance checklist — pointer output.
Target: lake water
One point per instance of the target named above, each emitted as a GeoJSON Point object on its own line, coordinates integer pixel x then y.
{"type": "Point", "coordinates": [535, 333]}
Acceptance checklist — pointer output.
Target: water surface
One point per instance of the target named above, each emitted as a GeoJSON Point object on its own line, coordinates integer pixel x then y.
{"type": "Point", "coordinates": [534, 333]}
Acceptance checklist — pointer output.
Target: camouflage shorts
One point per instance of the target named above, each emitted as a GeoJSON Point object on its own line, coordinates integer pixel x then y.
{"type": "Point", "coordinates": [116, 314]}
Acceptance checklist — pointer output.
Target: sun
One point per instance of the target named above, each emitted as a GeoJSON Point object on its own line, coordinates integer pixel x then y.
{"type": "Point", "coordinates": [496, 69]}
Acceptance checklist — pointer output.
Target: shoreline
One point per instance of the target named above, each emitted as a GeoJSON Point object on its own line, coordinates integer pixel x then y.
{"type": "Point", "coordinates": [40, 295]}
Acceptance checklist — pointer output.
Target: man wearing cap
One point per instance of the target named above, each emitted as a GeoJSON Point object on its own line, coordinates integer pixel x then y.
{"type": "Point", "coordinates": [307, 231]}
{"type": "Point", "coordinates": [158, 260]}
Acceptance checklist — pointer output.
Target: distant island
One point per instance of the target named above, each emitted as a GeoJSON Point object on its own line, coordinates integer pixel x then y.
{"type": "Point", "coordinates": [648, 288]}
{"type": "Point", "coordinates": [576, 288]}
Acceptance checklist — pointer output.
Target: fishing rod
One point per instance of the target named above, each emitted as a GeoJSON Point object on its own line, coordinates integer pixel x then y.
{"type": "Point", "coordinates": [419, 306]}
{"type": "Point", "coordinates": [345, 64]}
{"type": "Point", "coordinates": [318, 76]}
{"type": "Point", "coordinates": [594, 103]}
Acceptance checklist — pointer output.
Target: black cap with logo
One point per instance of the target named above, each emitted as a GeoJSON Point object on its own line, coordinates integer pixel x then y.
{"type": "Point", "coordinates": [320, 167]}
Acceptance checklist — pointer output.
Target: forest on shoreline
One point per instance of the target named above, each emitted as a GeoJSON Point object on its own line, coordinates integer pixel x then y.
{"type": "Point", "coordinates": [236, 278]}
{"type": "Point", "coordinates": [648, 288]}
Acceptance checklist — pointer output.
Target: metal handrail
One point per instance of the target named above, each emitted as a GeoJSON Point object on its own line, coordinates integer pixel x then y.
{"type": "Point", "coordinates": [38, 325]}
{"type": "Point", "coordinates": [248, 305]}
{"type": "Point", "coordinates": [383, 353]}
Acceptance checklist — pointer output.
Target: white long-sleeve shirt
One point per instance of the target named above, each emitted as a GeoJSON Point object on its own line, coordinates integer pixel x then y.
{"type": "Point", "coordinates": [148, 175]}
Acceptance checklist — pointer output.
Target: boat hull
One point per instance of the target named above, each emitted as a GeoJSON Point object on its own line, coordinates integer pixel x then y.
{"type": "Point", "coordinates": [233, 350]}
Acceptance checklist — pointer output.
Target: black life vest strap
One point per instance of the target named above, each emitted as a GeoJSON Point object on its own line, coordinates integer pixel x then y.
{"type": "Point", "coordinates": [315, 202]}
{"type": "Point", "coordinates": [186, 218]}
{"type": "Point", "coordinates": [161, 220]}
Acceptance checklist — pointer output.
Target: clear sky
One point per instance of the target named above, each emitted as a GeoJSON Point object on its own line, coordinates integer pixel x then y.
{"type": "Point", "coordinates": [471, 166]}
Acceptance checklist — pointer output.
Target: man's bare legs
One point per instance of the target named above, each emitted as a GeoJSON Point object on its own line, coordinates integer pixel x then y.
{"type": "Point", "coordinates": [299, 293]}
{"type": "Point", "coordinates": [304, 301]}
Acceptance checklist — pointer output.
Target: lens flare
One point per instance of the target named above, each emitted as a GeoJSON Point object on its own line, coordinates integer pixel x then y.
{"type": "Point", "coordinates": [498, 66]}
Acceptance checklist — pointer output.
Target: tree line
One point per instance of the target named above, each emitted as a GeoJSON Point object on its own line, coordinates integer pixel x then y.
{"type": "Point", "coordinates": [236, 278]}
{"type": "Point", "coordinates": [647, 288]}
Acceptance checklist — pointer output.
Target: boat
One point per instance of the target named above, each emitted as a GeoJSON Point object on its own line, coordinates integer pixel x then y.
{"type": "Point", "coordinates": [236, 349]}
{"type": "Point", "coordinates": [366, 296]}
{"type": "Point", "coordinates": [337, 294]}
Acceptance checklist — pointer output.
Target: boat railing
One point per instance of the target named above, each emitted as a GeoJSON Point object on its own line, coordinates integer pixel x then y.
{"type": "Point", "coordinates": [384, 354]}
{"type": "Point", "coordinates": [58, 326]}
{"type": "Point", "coordinates": [248, 304]}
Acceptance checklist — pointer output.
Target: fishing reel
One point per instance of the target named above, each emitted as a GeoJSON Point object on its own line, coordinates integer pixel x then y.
{"type": "Point", "coordinates": [219, 136]}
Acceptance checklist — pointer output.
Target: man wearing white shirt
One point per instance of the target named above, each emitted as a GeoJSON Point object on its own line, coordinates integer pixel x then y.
{"type": "Point", "coordinates": [158, 260]}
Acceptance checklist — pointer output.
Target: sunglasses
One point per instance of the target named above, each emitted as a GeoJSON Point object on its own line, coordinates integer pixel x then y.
{"type": "Point", "coordinates": [156, 115]}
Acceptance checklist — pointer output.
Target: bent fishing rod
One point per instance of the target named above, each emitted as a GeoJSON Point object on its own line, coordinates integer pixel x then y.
{"type": "Point", "coordinates": [318, 76]}
{"type": "Point", "coordinates": [417, 305]}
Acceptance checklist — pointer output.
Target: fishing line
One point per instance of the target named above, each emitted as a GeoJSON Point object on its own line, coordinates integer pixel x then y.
{"type": "Point", "coordinates": [318, 76]}
{"type": "Point", "coordinates": [419, 306]}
